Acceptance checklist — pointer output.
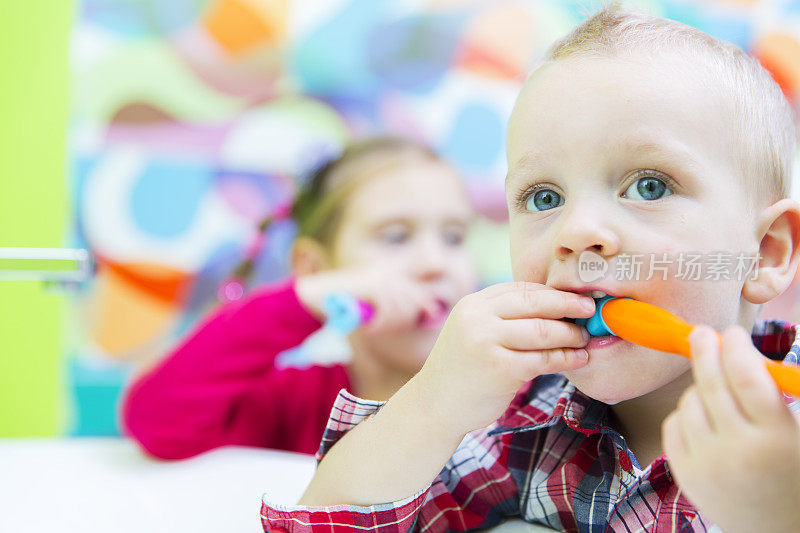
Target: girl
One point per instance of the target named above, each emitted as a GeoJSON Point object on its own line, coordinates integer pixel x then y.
{"type": "Point", "coordinates": [385, 223]}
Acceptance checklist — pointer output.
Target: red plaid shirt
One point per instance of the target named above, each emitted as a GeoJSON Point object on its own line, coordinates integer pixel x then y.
{"type": "Point", "coordinates": [554, 458]}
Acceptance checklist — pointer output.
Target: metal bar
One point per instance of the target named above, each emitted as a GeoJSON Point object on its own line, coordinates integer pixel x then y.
{"type": "Point", "coordinates": [77, 272]}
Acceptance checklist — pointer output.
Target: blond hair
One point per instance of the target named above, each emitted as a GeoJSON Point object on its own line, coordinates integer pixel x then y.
{"type": "Point", "coordinates": [764, 128]}
{"type": "Point", "coordinates": [319, 208]}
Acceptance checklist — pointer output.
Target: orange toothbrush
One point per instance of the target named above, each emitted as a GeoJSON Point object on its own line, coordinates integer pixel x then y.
{"type": "Point", "coordinates": [652, 327]}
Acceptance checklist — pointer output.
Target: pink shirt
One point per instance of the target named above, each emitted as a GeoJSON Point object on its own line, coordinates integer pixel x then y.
{"type": "Point", "coordinates": [220, 385]}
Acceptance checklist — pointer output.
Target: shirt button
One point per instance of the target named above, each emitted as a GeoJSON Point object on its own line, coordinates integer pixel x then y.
{"type": "Point", "coordinates": [624, 460]}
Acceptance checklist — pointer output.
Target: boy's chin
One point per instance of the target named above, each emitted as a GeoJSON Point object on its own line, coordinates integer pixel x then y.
{"type": "Point", "coordinates": [618, 386]}
{"type": "Point", "coordinates": [610, 394]}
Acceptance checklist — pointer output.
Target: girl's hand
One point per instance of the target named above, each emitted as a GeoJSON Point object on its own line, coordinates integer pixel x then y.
{"type": "Point", "coordinates": [493, 342]}
{"type": "Point", "coordinates": [733, 444]}
{"type": "Point", "coordinates": [398, 301]}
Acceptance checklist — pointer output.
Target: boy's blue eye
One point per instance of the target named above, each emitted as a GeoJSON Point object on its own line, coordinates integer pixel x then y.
{"type": "Point", "coordinates": [647, 189]}
{"type": "Point", "coordinates": [543, 199]}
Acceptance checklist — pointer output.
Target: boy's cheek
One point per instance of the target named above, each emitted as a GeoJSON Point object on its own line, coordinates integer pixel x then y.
{"type": "Point", "coordinates": [527, 265]}
{"type": "Point", "coordinates": [715, 303]}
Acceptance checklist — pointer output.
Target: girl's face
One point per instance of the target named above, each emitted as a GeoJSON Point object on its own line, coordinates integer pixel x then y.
{"type": "Point", "coordinates": [412, 219]}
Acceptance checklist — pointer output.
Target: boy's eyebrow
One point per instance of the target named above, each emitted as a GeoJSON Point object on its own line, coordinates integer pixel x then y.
{"type": "Point", "coordinates": [674, 153]}
{"type": "Point", "coordinates": [525, 164]}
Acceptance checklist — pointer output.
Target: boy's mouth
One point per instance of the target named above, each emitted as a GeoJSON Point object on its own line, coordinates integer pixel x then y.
{"type": "Point", "coordinates": [593, 291]}
{"type": "Point", "coordinates": [596, 343]}
{"type": "Point", "coordinates": [596, 293]}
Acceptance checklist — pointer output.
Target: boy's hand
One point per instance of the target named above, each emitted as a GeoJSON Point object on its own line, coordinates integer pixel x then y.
{"type": "Point", "coordinates": [493, 342]}
{"type": "Point", "coordinates": [732, 443]}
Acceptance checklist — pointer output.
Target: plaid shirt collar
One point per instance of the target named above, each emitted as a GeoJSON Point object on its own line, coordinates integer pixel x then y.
{"type": "Point", "coordinates": [559, 400]}
{"type": "Point", "coordinates": [575, 409]}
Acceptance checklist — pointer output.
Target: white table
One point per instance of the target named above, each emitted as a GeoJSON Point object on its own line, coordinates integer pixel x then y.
{"type": "Point", "coordinates": [107, 485]}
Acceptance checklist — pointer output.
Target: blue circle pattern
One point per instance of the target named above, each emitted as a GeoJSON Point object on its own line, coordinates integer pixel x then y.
{"type": "Point", "coordinates": [165, 199]}
{"type": "Point", "coordinates": [477, 137]}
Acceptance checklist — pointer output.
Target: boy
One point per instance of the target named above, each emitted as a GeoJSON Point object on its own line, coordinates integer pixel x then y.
{"type": "Point", "coordinates": [637, 135]}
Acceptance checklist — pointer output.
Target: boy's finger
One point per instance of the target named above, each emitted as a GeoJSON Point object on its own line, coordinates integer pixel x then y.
{"type": "Point", "coordinates": [673, 439]}
{"type": "Point", "coordinates": [535, 363]}
{"type": "Point", "coordinates": [694, 418]}
{"type": "Point", "coordinates": [721, 406]}
{"type": "Point", "coordinates": [751, 384]}
{"type": "Point", "coordinates": [547, 303]}
{"type": "Point", "coordinates": [498, 289]}
{"type": "Point", "coordinates": [529, 334]}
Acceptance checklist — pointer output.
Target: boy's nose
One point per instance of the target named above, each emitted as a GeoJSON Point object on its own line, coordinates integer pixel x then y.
{"type": "Point", "coordinates": [576, 238]}
{"type": "Point", "coordinates": [563, 252]}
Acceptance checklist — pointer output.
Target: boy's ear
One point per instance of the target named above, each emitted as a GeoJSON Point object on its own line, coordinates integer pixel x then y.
{"type": "Point", "coordinates": [779, 226]}
{"type": "Point", "coordinates": [308, 256]}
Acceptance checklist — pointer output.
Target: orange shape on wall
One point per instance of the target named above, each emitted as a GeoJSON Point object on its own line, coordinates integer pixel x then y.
{"type": "Point", "coordinates": [493, 54]}
{"type": "Point", "coordinates": [779, 53]}
{"type": "Point", "coordinates": [159, 281]}
{"type": "Point", "coordinates": [134, 308]}
{"type": "Point", "coordinates": [240, 26]}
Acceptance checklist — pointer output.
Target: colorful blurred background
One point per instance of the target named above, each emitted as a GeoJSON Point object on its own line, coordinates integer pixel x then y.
{"type": "Point", "coordinates": [158, 135]}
